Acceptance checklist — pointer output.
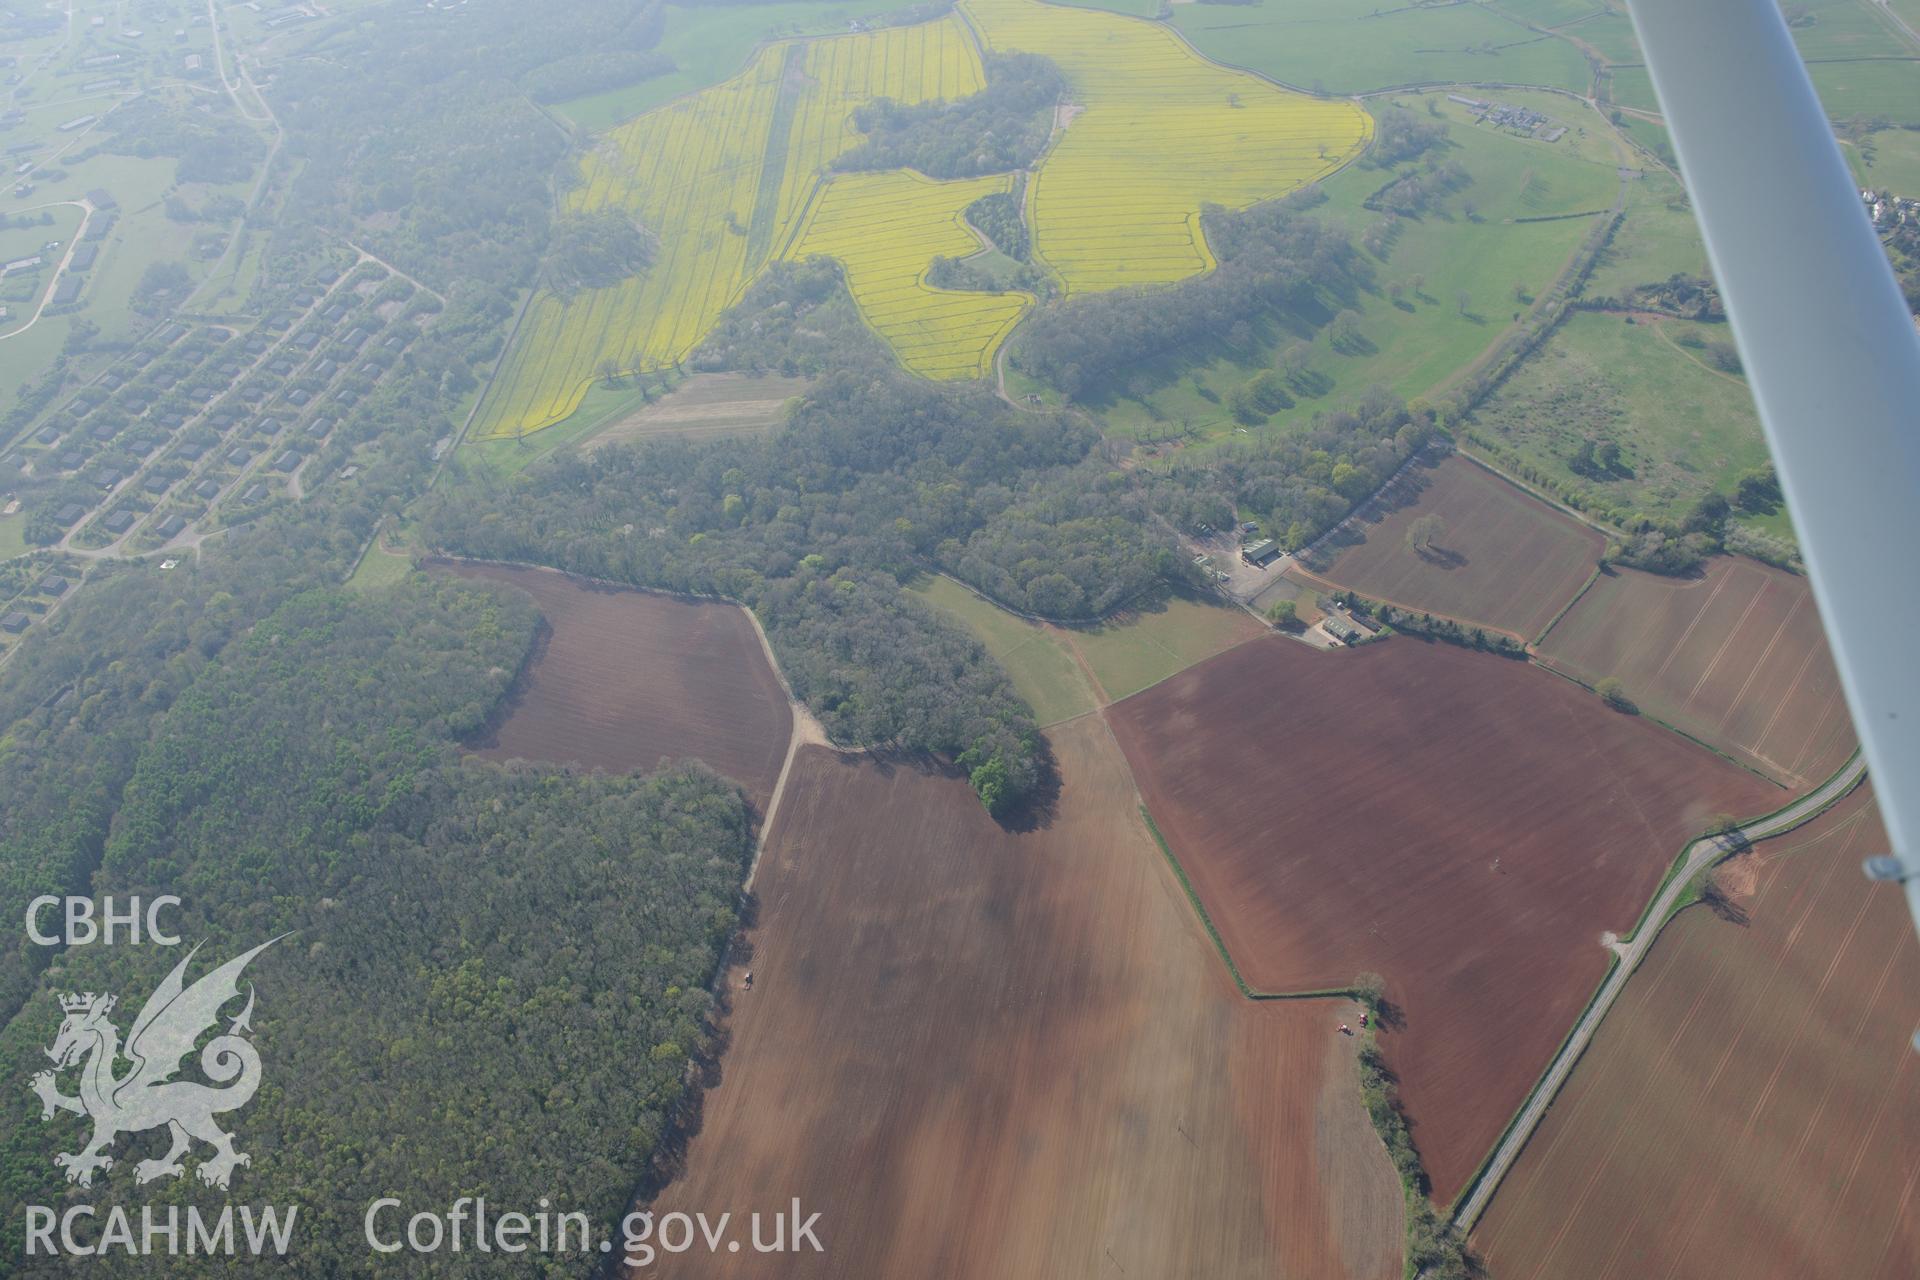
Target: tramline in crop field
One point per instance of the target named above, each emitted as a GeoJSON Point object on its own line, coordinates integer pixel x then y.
{"type": "Point", "coordinates": [1161, 133]}
{"type": "Point", "coordinates": [736, 176]}
{"type": "Point", "coordinates": [721, 178]}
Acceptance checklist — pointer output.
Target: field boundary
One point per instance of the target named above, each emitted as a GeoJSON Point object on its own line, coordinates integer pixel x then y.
{"type": "Point", "coordinates": [1547, 665]}
{"type": "Point", "coordinates": [1219, 944]}
{"type": "Point", "coordinates": [1578, 596]}
{"type": "Point", "coordinates": [1316, 580]}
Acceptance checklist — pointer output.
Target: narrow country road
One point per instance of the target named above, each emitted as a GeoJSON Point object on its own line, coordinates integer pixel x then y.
{"type": "Point", "coordinates": [1700, 855]}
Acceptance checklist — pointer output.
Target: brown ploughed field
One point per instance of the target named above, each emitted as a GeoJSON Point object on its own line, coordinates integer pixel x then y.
{"type": "Point", "coordinates": [709, 406]}
{"type": "Point", "coordinates": [1502, 559]}
{"type": "Point", "coordinates": [1465, 825]}
{"type": "Point", "coordinates": [627, 679]}
{"type": "Point", "coordinates": [1736, 657]}
{"type": "Point", "coordinates": [984, 1054]}
{"type": "Point", "coordinates": [1751, 1107]}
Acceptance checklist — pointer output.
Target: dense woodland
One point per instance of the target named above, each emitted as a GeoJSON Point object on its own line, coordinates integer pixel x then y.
{"type": "Point", "coordinates": [998, 218]}
{"type": "Point", "coordinates": [595, 251]}
{"type": "Point", "coordinates": [1301, 483]}
{"type": "Point", "coordinates": [877, 477]}
{"type": "Point", "coordinates": [520, 958]}
{"type": "Point", "coordinates": [208, 146]}
{"type": "Point", "coordinates": [1003, 127]}
{"type": "Point", "coordinates": [1277, 267]}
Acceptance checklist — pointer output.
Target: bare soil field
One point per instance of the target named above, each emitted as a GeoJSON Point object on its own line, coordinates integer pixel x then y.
{"type": "Point", "coordinates": [1751, 1107]}
{"type": "Point", "coordinates": [1464, 825]}
{"type": "Point", "coordinates": [625, 679]}
{"type": "Point", "coordinates": [709, 406]}
{"type": "Point", "coordinates": [1736, 657]}
{"type": "Point", "coordinates": [1501, 559]}
{"type": "Point", "coordinates": [994, 1054]}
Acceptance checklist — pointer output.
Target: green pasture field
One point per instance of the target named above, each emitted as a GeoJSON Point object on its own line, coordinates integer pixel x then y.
{"type": "Point", "coordinates": [1632, 86]}
{"type": "Point", "coordinates": [1127, 653]}
{"type": "Point", "coordinates": [1684, 426]}
{"type": "Point", "coordinates": [1355, 46]}
{"type": "Point", "coordinates": [1414, 344]}
{"type": "Point", "coordinates": [1609, 31]}
{"type": "Point", "coordinates": [1657, 239]}
{"type": "Point", "coordinates": [1551, 13]}
{"type": "Point", "coordinates": [1875, 87]}
{"type": "Point", "coordinates": [380, 568]}
{"type": "Point", "coordinates": [1041, 667]}
{"type": "Point", "coordinates": [1651, 135]}
{"type": "Point", "coordinates": [602, 405]}
{"type": "Point", "coordinates": [1889, 160]}
{"type": "Point", "coordinates": [1143, 647]}
{"type": "Point", "coordinates": [708, 45]}
{"type": "Point", "coordinates": [13, 540]}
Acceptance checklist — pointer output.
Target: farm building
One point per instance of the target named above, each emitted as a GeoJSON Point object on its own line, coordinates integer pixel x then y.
{"type": "Point", "coordinates": [171, 526]}
{"type": "Point", "coordinates": [209, 489]}
{"type": "Point", "coordinates": [53, 586]}
{"type": "Point", "coordinates": [1340, 629]}
{"type": "Point", "coordinates": [118, 522]}
{"type": "Point", "coordinates": [68, 514]}
{"type": "Point", "coordinates": [66, 291]}
{"type": "Point", "coordinates": [157, 483]}
{"type": "Point", "coordinates": [191, 452]}
{"type": "Point", "coordinates": [14, 623]}
{"type": "Point", "coordinates": [84, 257]}
{"type": "Point", "coordinates": [1260, 553]}
{"type": "Point", "coordinates": [254, 494]}
{"type": "Point", "coordinates": [287, 461]}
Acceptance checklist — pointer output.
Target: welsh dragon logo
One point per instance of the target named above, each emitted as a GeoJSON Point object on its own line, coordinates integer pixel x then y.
{"type": "Point", "coordinates": [147, 1096]}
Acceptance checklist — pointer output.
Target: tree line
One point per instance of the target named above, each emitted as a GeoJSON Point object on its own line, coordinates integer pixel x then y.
{"type": "Point", "coordinates": [1003, 127]}
{"type": "Point", "coordinates": [1276, 264]}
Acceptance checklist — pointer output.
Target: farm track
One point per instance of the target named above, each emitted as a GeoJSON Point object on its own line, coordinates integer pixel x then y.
{"type": "Point", "coordinates": [1749, 1105]}
{"type": "Point", "coordinates": [1700, 855]}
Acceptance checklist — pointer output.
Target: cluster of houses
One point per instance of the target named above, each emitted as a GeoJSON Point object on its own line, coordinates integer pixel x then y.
{"type": "Point", "coordinates": [1889, 211]}
{"type": "Point", "coordinates": [139, 434]}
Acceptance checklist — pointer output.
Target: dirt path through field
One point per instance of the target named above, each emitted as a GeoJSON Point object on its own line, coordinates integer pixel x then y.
{"type": "Point", "coordinates": [1700, 855]}
{"type": "Point", "coordinates": [807, 732]}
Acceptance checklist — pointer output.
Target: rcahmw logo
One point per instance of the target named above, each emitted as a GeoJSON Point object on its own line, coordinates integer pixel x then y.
{"type": "Point", "coordinates": [146, 1096]}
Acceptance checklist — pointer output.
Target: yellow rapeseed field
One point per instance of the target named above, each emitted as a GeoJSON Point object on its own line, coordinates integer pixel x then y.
{"type": "Point", "coordinates": [885, 228]}
{"type": "Point", "coordinates": [722, 178]}
{"type": "Point", "coordinates": [733, 177]}
{"type": "Point", "coordinates": [1160, 131]}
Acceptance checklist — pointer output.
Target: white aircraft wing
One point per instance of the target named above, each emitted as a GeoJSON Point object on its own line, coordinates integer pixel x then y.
{"type": "Point", "coordinates": [1830, 351]}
